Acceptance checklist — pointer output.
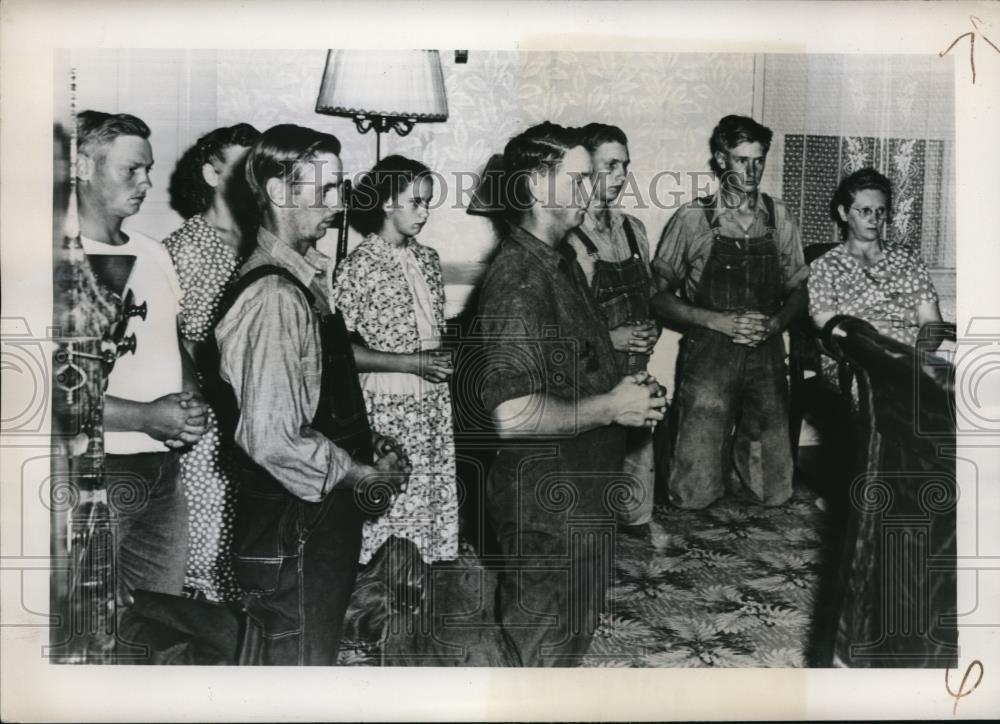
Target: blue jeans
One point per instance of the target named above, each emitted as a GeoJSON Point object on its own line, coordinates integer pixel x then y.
{"type": "Point", "coordinates": [732, 422]}
{"type": "Point", "coordinates": [637, 504]}
{"type": "Point", "coordinates": [147, 501]}
{"type": "Point", "coordinates": [297, 562]}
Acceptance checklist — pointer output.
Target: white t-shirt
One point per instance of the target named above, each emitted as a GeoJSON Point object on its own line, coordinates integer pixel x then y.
{"type": "Point", "coordinates": [155, 368]}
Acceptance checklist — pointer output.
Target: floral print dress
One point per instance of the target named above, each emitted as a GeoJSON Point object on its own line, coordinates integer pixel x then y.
{"type": "Point", "coordinates": [206, 267]}
{"type": "Point", "coordinates": [886, 294]}
{"type": "Point", "coordinates": [393, 297]}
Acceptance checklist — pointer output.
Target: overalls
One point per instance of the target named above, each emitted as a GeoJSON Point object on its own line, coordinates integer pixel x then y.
{"type": "Point", "coordinates": [621, 289]}
{"type": "Point", "coordinates": [296, 561]}
{"type": "Point", "coordinates": [731, 402]}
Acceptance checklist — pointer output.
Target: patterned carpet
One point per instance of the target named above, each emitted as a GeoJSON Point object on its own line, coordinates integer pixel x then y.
{"type": "Point", "coordinates": [735, 585]}
{"type": "Point", "coordinates": [731, 586]}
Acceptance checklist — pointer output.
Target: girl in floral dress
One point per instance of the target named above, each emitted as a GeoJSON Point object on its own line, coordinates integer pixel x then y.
{"type": "Point", "coordinates": [390, 293]}
{"type": "Point", "coordinates": [206, 252]}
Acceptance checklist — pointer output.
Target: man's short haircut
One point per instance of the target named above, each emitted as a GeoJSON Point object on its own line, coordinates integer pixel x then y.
{"type": "Point", "coordinates": [865, 179]}
{"type": "Point", "coordinates": [734, 130]}
{"type": "Point", "coordinates": [281, 153]}
{"type": "Point", "coordinates": [96, 128]}
{"type": "Point", "coordinates": [595, 135]}
{"type": "Point", "coordinates": [538, 149]}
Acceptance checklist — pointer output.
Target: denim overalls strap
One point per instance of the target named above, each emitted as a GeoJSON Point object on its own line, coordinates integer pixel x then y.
{"type": "Point", "coordinates": [340, 415]}
{"type": "Point", "coordinates": [731, 397]}
{"type": "Point", "coordinates": [296, 560]}
{"type": "Point", "coordinates": [621, 289]}
{"type": "Point", "coordinates": [741, 273]}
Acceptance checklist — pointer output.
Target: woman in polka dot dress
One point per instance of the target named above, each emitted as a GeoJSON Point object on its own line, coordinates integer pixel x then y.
{"type": "Point", "coordinates": [886, 285]}
{"type": "Point", "coordinates": [206, 252]}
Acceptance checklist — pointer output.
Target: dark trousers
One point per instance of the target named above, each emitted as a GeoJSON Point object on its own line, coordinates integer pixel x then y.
{"type": "Point", "coordinates": [731, 407]}
{"type": "Point", "coordinates": [151, 517]}
{"type": "Point", "coordinates": [556, 531]}
{"type": "Point", "coordinates": [297, 561]}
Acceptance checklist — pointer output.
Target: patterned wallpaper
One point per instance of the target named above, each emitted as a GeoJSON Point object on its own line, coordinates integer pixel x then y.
{"type": "Point", "coordinates": [666, 103]}
{"type": "Point", "coordinates": [888, 107]}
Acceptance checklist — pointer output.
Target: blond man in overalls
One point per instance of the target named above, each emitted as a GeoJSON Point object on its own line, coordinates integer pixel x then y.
{"type": "Point", "coordinates": [730, 272]}
{"type": "Point", "coordinates": [613, 251]}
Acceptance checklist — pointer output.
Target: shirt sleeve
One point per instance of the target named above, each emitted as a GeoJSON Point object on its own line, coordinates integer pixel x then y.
{"type": "Point", "coordinates": [199, 297]}
{"type": "Point", "coordinates": [156, 253]}
{"type": "Point", "coordinates": [670, 265]}
{"type": "Point", "coordinates": [822, 283]}
{"type": "Point", "coordinates": [267, 364]}
{"type": "Point", "coordinates": [922, 286]}
{"type": "Point", "coordinates": [513, 318]}
{"type": "Point", "coordinates": [793, 262]}
{"type": "Point", "coordinates": [349, 293]}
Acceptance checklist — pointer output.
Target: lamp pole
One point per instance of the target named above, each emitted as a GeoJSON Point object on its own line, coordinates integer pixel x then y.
{"type": "Point", "coordinates": [383, 124]}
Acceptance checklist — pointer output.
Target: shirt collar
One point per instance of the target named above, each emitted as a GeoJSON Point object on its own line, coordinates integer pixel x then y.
{"type": "Point", "coordinates": [305, 268]}
{"type": "Point", "coordinates": [377, 240]}
{"type": "Point", "coordinates": [716, 202]}
{"type": "Point", "coordinates": [550, 258]}
{"type": "Point", "coordinates": [615, 218]}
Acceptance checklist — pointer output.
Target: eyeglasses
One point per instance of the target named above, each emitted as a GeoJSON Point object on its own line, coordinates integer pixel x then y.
{"type": "Point", "coordinates": [867, 212]}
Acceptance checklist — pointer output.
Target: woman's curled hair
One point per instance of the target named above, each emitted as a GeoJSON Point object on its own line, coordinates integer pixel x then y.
{"type": "Point", "coordinates": [865, 179]}
{"type": "Point", "coordinates": [384, 183]}
{"type": "Point", "coordinates": [189, 193]}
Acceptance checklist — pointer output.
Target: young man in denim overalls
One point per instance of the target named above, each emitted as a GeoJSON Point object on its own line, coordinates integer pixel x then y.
{"type": "Point", "coordinates": [613, 252]}
{"type": "Point", "coordinates": [730, 272]}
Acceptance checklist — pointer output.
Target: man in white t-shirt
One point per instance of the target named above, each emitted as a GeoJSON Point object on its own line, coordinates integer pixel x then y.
{"type": "Point", "coordinates": [152, 406]}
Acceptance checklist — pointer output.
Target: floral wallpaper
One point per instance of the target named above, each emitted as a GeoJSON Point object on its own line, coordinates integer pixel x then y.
{"type": "Point", "coordinates": [895, 111]}
{"type": "Point", "coordinates": [666, 103]}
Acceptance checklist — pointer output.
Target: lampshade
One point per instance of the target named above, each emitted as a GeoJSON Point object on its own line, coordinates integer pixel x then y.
{"type": "Point", "coordinates": [397, 83]}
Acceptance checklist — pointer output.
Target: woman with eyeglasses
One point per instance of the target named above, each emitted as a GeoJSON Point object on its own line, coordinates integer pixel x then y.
{"type": "Point", "coordinates": [886, 285]}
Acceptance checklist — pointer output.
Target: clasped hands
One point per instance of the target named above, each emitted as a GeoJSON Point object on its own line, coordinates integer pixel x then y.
{"type": "Point", "coordinates": [635, 337]}
{"type": "Point", "coordinates": [638, 401]}
{"type": "Point", "coordinates": [747, 327]}
{"type": "Point", "coordinates": [389, 474]}
{"type": "Point", "coordinates": [434, 365]}
{"type": "Point", "coordinates": [178, 419]}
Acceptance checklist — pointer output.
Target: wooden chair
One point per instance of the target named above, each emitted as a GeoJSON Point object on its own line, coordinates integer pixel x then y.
{"type": "Point", "coordinates": [803, 355]}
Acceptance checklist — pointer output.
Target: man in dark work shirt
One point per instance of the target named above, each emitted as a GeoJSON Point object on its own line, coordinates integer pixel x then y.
{"type": "Point", "coordinates": [559, 406]}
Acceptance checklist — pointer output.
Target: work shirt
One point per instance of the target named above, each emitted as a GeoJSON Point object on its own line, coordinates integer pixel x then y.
{"type": "Point", "coordinates": [548, 496]}
{"type": "Point", "coordinates": [686, 243]}
{"type": "Point", "coordinates": [612, 244]}
{"type": "Point", "coordinates": [546, 334]}
{"type": "Point", "coordinates": [269, 344]}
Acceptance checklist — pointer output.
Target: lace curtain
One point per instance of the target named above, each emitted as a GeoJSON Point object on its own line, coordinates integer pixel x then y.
{"type": "Point", "coordinates": [836, 114]}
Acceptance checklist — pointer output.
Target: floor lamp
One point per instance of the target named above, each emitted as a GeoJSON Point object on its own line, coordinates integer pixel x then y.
{"type": "Point", "coordinates": [383, 90]}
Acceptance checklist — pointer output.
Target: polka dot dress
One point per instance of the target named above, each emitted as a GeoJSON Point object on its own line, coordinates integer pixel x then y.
{"type": "Point", "coordinates": [885, 294]}
{"type": "Point", "coordinates": [206, 267]}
